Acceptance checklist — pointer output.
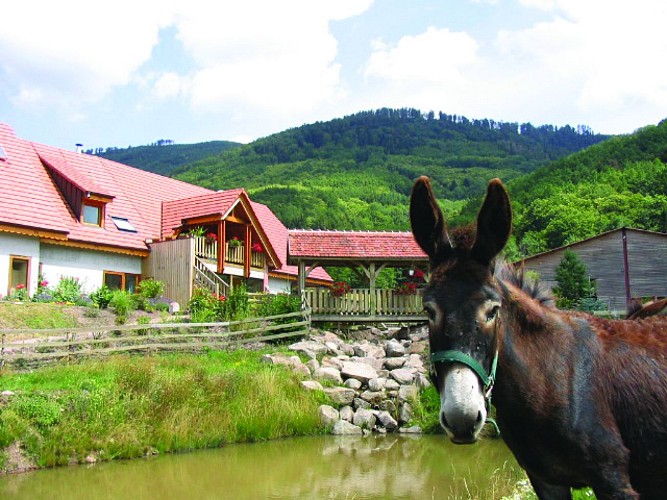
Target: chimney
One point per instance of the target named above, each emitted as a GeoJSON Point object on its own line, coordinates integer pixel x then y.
{"type": "Point", "coordinates": [79, 147]}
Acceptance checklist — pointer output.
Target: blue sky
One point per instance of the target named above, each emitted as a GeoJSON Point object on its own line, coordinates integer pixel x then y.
{"type": "Point", "coordinates": [131, 72]}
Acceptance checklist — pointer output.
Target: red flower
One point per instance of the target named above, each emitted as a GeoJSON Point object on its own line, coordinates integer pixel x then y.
{"type": "Point", "coordinates": [212, 237]}
{"type": "Point", "coordinates": [257, 248]}
{"type": "Point", "coordinates": [44, 284]}
{"type": "Point", "coordinates": [20, 286]}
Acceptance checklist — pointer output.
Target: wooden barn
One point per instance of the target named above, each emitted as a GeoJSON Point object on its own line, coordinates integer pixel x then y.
{"type": "Point", "coordinates": [623, 263]}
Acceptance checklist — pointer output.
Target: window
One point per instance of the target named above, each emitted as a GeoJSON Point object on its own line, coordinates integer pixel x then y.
{"type": "Point", "coordinates": [92, 214]}
{"type": "Point", "coordinates": [123, 224]}
{"type": "Point", "coordinates": [121, 281]}
{"type": "Point", "coordinates": [19, 272]}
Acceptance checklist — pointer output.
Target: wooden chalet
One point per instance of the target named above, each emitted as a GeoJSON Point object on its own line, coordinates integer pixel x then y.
{"type": "Point", "coordinates": [70, 214]}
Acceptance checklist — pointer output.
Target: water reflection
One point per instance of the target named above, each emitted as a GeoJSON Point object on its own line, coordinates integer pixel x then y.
{"type": "Point", "coordinates": [316, 467]}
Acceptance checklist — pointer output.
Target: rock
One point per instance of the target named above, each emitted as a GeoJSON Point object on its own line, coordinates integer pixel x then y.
{"type": "Point", "coordinates": [340, 395]}
{"type": "Point", "coordinates": [417, 348]}
{"type": "Point", "coordinates": [388, 405]}
{"type": "Point", "coordinates": [402, 376]}
{"type": "Point", "coordinates": [360, 403]}
{"type": "Point", "coordinates": [91, 459]}
{"type": "Point", "coordinates": [345, 428]}
{"type": "Point", "coordinates": [309, 354]}
{"type": "Point", "coordinates": [358, 351]}
{"type": "Point", "coordinates": [353, 383]}
{"type": "Point", "coordinates": [408, 393]}
{"type": "Point", "coordinates": [415, 429]}
{"type": "Point", "coordinates": [423, 381]}
{"type": "Point", "coordinates": [328, 415]}
{"type": "Point", "coordinates": [387, 420]}
{"type": "Point", "coordinates": [405, 414]}
{"type": "Point", "coordinates": [312, 385]}
{"type": "Point", "coordinates": [415, 361]}
{"type": "Point", "coordinates": [394, 349]}
{"type": "Point", "coordinates": [376, 363]}
{"type": "Point", "coordinates": [364, 418]}
{"type": "Point", "coordinates": [377, 384]}
{"type": "Point", "coordinates": [394, 363]}
{"type": "Point", "coordinates": [347, 349]}
{"type": "Point", "coordinates": [403, 333]}
{"type": "Point", "coordinates": [174, 307]}
{"type": "Point", "coordinates": [374, 398]}
{"type": "Point", "coordinates": [309, 345]}
{"type": "Point", "coordinates": [328, 373]}
{"type": "Point", "coordinates": [392, 385]}
{"type": "Point", "coordinates": [7, 394]}
{"type": "Point", "coordinates": [346, 413]}
{"type": "Point", "coordinates": [312, 365]}
{"type": "Point", "coordinates": [359, 371]}
{"type": "Point", "coordinates": [332, 347]}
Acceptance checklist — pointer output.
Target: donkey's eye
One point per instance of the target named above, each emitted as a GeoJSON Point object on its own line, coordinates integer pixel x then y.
{"type": "Point", "coordinates": [492, 314]}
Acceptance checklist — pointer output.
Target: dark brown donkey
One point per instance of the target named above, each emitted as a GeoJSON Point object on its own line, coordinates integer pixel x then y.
{"type": "Point", "coordinates": [580, 401]}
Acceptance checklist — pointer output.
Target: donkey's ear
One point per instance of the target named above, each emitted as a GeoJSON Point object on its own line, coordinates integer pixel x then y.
{"type": "Point", "coordinates": [428, 223]}
{"type": "Point", "coordinates": [494, 223]}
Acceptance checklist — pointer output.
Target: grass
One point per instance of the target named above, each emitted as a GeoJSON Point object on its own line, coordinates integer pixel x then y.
{"type": "Point", "coordinates": [126, 407]}
{"type": "Point", "coordinates": [35, 315]}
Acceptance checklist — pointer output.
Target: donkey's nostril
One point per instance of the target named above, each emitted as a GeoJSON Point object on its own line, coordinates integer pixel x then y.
{"type": "Point", "coordinates": [479, 417]}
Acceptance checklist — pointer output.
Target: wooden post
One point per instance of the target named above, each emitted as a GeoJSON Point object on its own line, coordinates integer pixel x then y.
{"type": "Point", "coordinates": [371, 279]}
{"type": "Point", "coordinates": [246, 252]}
{"type": "Point", "coordinates": [222, 246]}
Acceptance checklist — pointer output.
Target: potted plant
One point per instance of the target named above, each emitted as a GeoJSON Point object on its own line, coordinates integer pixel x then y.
{"type": "Point", "coordinates": [257, 248]}
{"type": "Point", "coordinates": [234, 242]}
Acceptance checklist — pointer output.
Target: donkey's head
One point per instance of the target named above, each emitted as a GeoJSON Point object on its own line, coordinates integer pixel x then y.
{"type": "Point", "coordinates": [463, 305]}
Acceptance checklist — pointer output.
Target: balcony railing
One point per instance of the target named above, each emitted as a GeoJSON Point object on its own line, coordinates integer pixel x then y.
{"type": "Point", "coordinates": [207, 249]}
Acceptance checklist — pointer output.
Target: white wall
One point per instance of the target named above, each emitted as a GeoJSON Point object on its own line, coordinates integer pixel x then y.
{"type": "Point", "coordinates": [277, 285]}
{"type": "Point", "coordinates": [18, 246]}
{"type": "Point", "coordinates": [87, 265]}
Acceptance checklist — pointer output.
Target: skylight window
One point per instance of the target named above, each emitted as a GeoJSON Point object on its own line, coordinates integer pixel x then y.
{"type": "Point", "coordinates": [123, 224]}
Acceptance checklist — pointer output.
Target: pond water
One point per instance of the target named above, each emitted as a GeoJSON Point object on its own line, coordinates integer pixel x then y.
{"type": "Point", "coordinates": [333, 467]}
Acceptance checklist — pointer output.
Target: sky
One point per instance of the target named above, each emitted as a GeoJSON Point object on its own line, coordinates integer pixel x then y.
{"type": "Point", "coordinates": [128, 73]}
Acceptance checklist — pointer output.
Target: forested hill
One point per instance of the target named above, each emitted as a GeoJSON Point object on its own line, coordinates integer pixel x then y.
{"type": "Point", "coordinates": [356, 172]}
{"type": "Point", "coordinates": [164, 156]}
{"type": "Point", "coordinates": [620, 182]}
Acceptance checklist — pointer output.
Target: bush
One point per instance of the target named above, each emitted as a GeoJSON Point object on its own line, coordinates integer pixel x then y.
{"type": "Point", "coordinates": [274, 305]}
{"type": "Point", "coordinates": [122, 303]}
{"type": "Point", "coordinates": [102, 296]}
{"type": "Point", "coordinates": [150, 288]}
{"type": "Point", "coordinates": [68, 290]}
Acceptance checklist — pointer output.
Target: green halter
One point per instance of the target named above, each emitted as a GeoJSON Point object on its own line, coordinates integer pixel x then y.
{"type": "Point", "coordinates": [487, 379]}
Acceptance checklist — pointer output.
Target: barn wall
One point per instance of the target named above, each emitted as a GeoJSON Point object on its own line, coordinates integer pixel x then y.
{"type": "Point", "coordinates": [603, 256]}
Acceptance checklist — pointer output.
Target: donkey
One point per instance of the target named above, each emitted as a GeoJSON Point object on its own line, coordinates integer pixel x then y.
{"type": "Point", "coordinates": [580, 400]}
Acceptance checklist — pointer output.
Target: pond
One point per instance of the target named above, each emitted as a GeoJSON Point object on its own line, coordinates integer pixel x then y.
{"type": "Point", "coordinates": [332, 467]}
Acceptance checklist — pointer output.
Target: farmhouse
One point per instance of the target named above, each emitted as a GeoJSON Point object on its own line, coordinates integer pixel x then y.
{"type": "Point", "coordinates": [69, 214]}
{"type": "Point", "coordinates": [623, 264]}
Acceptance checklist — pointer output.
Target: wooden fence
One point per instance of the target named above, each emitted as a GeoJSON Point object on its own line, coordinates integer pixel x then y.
{"type": "Point", "coordinates": [29, 347]}
{"type": "Point", "coordinates": [363, 303]}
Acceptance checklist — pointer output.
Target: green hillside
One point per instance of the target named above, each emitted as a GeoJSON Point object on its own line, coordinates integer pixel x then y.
{"type": "Point", "coordinates": [164, 156]}
{"type": "Point", "coordinates": [356, 172]}
{"type": "Point", "coordinates": [619, 182]}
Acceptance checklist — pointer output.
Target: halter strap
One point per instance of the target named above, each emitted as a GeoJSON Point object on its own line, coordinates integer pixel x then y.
{"type": "Point", "coordinates": [470, 362]}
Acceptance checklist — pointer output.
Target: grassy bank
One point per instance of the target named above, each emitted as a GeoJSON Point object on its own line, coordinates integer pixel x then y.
{"type": "Point", "coordinates": [125, 407]}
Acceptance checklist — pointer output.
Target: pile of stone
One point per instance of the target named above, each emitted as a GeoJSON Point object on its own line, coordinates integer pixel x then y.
{"type": "Point", "coordinates": [372, 381]}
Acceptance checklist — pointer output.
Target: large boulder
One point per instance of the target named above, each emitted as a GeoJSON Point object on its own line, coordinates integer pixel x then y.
{"type": "Point", "coordinates": [360, 371]}
{"type": "Point", "coordinates": [345, 428]}
{"type": "Point", "coordinates": [328, 415]}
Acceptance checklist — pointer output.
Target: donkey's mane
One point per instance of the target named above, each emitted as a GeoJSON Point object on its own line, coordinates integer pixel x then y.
{"type": "Point", "coordinates": [516, 276]}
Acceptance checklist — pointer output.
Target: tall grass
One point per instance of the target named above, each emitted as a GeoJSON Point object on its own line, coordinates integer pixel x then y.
{"type": "Point", "coordinates": [127, 407]}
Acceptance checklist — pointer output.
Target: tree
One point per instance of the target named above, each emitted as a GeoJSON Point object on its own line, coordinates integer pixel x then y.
{"type": "Point", "coordinates": [573, 281]}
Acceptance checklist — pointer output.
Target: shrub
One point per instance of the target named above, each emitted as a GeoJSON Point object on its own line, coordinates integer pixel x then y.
{"type": "Point", "coordinates": [150, 288]}
{"type": "Point", "coordinates": [102, 296]}
{"type": "Point", "coordinates": [67, 290]}
{"type": "Point", "coordinates": [273, 305]}
{"type": "Point", "coordinates": [122, 303]}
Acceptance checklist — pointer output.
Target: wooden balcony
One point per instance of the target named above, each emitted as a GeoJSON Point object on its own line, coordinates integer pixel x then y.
{"type": "Point", "coordinates": [361, 304]}
{"type": "Point", "coordinates": [205, 249]}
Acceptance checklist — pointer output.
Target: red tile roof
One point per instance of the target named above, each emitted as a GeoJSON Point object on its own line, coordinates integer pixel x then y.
{"type": "Point", "coordinates": [350, 245]}
{"type": "Point", "coordinates": [212, 203]}
{"type": "Point", "coordinates": [277, 233]}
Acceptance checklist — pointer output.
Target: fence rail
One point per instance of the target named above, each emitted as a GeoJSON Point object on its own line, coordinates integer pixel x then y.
{"type": "Point", "coordinates": [30, 347]}
{"type": "Point", "coordinates": [363, 301]}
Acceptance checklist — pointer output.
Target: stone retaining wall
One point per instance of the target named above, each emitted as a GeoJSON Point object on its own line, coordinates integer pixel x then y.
{"type": "Point", "coordinates": [372, 381]}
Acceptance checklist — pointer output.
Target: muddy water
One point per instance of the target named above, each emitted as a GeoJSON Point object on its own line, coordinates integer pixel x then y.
{"type": "Point", "coordinates": [316, 467]}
